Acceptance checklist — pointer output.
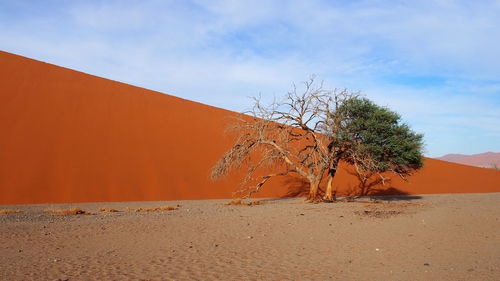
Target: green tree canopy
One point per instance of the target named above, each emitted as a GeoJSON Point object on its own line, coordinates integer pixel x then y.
{"type": "Point", "coordinates": [374, 137]}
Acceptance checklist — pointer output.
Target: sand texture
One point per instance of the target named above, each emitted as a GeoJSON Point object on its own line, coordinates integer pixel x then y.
{"type": "Point", "coordinates": [432, 237]}
{"type": "Point", "coordinates": [72, 137]}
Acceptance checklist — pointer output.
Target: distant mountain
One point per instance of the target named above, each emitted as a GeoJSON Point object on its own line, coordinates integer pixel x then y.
{"type": "Point", "coordinates": [485, 160]}
{"type": "Point", "coordinates": [452, 157]}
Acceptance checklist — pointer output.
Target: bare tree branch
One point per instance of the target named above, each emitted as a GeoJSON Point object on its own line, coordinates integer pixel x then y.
{"type": "Point", "coordinates": [293, 134]}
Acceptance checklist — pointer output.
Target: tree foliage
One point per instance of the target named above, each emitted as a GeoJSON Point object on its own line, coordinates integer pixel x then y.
{"type": "Point", "coordinates": [310, 131]}
{"type": "Point", "coordinates": [375, 141]}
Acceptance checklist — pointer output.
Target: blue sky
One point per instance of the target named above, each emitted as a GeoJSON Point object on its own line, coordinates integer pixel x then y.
{"type": "Point", "coordinates": [437, 63]}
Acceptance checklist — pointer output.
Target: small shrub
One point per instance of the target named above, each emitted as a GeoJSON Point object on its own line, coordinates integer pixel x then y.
{"type": "Point", "coordinates": [10, 211]}
{"type": "Point", "coordinates": [108, 210]}
{"type": "Point", "coordinates": [65, 212]}
{"type": "Point", "coordinates": [240, 202]}
{"type": "Point", "coordinates": [378, 213]}
{"type": "Point", "coordinates": [156, 209]}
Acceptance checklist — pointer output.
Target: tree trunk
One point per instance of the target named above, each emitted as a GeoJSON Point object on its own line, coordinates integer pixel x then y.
{"type": "Point", "coordinates": [313, 191]}
{"type": "Point", "coordinates": [363, 187]}
{"type": "Point", "coordinates": [329, 190]}
{"type": "Point", "coordinates": [329, 193]}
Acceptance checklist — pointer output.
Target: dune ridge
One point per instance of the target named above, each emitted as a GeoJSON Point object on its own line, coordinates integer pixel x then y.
{"type": "Point", "coordinates": [68, 136]}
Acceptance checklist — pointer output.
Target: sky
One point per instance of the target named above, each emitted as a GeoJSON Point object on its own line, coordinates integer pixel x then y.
{"type": "Point", "coordinates": [437, 63]}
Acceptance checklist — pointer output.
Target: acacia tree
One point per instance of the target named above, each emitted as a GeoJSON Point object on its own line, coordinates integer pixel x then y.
{"type": "Point", "coordinates": [292, 136]}
{"type": "Point", "coordinates": [374, 141]}
{"type": "Point", "coordinates": [307, 133]}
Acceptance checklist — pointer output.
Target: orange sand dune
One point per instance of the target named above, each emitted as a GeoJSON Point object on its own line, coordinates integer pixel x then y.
{"type": "Point", "coordinates": [73, 137]}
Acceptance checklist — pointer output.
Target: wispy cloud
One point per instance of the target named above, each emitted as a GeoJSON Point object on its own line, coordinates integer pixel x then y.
{"type": "Point", "coordinates": [436, 62]}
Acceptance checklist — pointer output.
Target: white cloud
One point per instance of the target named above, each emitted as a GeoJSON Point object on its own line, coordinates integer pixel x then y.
{"type": "Point", "coordinates": [221, 52]}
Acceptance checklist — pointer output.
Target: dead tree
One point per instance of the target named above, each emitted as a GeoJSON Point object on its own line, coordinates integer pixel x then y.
{"type": "Point", "coordinates": [295, 135]}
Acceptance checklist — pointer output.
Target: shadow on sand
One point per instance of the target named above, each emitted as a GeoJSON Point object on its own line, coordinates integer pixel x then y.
{"type": "Point", "coordinates": [296, 187]}
{"type": "Point", "coordinates": [391, 194]}
{"type": "Point", "coordinates": [373, 189]}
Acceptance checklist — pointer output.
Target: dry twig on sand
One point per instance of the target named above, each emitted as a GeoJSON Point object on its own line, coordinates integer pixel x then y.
{"type": "Point", "coordinates": [156, 209]}
{"type": "Point", "coordinates": [10, 211]}
{"type": "Point", "coordinates": [108, 210]}
{"type": "Point", "coordinates": [65, 212]}
{"type": "Point", "coordinates": [240, 202]}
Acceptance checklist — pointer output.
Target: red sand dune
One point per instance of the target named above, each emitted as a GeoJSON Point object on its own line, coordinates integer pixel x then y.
{"type": "Point", "coordinates": [487, 159]}
{"type": "Point", "coordinates": [73, 137]}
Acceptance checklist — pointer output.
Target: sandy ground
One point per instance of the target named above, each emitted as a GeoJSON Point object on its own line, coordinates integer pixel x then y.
{"type": "Point", "coordinates": [433, 237]}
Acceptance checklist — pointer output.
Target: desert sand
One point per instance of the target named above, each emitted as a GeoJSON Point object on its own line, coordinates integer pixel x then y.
{"type": "Point", "coordinates": [68, 136]}
{"type": "Point", "coordinates": [428, 237]}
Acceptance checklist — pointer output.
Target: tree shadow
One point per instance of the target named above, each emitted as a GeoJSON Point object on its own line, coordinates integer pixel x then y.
{"type": "Point", "coordinates": [372, 187]}
{"type": "Point", "coordinates": [392, 194]}
{"type": "Point", "coordinates": [375, 187]}
{"type": "Point", "coordinates": [383, 194]}
{"type": "Point", "coordinates": [296, 187]}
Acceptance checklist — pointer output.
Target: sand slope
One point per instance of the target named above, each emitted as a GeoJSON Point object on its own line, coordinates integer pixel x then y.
{"type": "Point", "coordinates": [73, 137]}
